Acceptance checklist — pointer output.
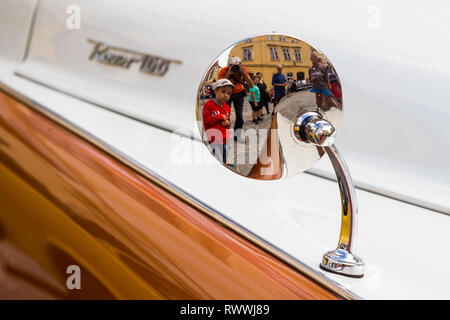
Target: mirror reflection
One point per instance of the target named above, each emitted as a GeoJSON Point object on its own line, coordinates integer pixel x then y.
{"type": "Point", "coordinates": [252, 95]}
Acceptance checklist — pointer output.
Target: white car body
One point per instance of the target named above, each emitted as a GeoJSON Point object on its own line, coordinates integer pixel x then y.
{"type": "Point", "coordinates": [392, 61]}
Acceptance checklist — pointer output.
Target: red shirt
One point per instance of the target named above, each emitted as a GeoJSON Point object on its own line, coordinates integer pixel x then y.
{"type": "Point", "coordinates": [212, 116]}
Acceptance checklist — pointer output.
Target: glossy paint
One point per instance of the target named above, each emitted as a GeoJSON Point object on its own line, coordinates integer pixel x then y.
{"type": "Point", "coordinates": [392, 65]}
{"type": "Point", "coordinates": [64, 202]}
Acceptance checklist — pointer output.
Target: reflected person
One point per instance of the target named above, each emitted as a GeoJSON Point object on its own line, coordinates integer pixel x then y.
{"type": "Point", "coordinates": [265, 98]}
{"type": "Point", "coordinates": [254, 98]}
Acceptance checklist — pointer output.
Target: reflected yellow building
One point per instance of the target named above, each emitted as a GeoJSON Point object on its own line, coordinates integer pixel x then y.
{"type": "Point", "coordinates": [264, 53]}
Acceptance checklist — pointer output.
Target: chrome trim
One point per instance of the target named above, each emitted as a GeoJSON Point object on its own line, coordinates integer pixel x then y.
{"type": "Point", "coordinates": [270, 150]}
{"type": "Point", "coordinates": [31, 30]}
{"type": "Point", "coordinates": [317, 276]}
{"type": "Point", "coordinates": [131, 51]}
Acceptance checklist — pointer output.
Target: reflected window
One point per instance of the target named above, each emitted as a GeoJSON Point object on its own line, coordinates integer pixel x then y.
{"type": "Point", "coordinates": [286, 54]}
{"type": "Point", "coordinates": [300, 76]}
{"type": "Point", "coordinates": [247, 54]}
{"type": "Point", "coordinates": [297, 55]}
{"type": "Point", "coordinates": [282, 39]}
{"type": "Point", "coordinates": [273, 53]}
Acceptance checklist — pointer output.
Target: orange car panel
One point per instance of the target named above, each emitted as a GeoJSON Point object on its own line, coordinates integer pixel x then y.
{"type": "Point", "coordinates": [65, 202]}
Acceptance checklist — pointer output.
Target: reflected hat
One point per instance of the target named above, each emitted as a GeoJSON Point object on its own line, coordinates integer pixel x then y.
{"type": "Point", "coordinates": [224, 83]}
{"type": "Point", "coordinates": [234, 60]}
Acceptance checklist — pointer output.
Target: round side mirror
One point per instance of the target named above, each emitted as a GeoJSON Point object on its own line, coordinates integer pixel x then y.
{"type": "Point", "coordinates": [251, 97]}
{"type": "Point", "coordinates": [269, 107]}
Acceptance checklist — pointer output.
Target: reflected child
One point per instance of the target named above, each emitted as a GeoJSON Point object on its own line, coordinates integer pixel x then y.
{"type": "Point", "coordinates": [216, 120]}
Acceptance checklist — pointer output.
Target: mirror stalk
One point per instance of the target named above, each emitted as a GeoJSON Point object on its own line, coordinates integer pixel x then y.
{"type": "Point", "coordinates": [312, 128]}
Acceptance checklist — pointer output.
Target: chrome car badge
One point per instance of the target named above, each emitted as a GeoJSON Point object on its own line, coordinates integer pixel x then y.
{"type": "Point", "coordinates": [125, 58]}
{"type": "Point", "coordinates": [299, 91]}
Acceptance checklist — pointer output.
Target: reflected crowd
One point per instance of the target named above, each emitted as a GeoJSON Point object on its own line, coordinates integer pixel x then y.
{"type": "Point", "coordinates": [237, 109]}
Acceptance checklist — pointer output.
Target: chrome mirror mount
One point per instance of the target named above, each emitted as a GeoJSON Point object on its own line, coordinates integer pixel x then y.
{"type": "Point", "coordinates": [300, 92]}
{"type": "Point", "coordinates": [312, 128]}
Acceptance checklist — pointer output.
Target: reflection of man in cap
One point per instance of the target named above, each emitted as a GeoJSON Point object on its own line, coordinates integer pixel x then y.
{"type": "Point", "coordinates": [237, 74]}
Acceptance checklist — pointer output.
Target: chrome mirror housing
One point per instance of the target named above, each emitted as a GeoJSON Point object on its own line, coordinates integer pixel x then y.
{"type": "Point", "coordinates": [299, 90]}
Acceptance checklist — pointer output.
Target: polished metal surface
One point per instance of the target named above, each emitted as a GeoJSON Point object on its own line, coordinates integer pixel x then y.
{"type": "Point", "coordinates": [268, 148]}
{"type": "Point", "coordinates": [342, 260]}
{"type": "Point", "coordinates": [310, 127]}
{"type": "Point", "coordinates": [303, 114]}
{"type": "Point", "coordinates": [126, 58]}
